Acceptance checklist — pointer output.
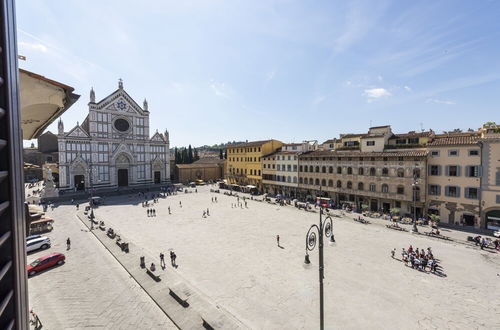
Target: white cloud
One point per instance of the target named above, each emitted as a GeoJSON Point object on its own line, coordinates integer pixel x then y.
{"type": "Point", "coordinates": [219, 89]}
{"type": "Point", "coordinates": [437, 101]}
{"type": "Point", "coordinates": [373, 94]}
{"type": "Point", "coordinates": [407, 88]}
{"type": "Point", "coordinates": [319, 99]}
{"type": "Point", "coordinates": [36, 46]}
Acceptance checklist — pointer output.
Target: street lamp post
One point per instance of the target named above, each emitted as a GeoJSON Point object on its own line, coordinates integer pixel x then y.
{"type": "Point", "coordinates": [316, 233]}
{"type": "Point", "coordinates": [414, 188]}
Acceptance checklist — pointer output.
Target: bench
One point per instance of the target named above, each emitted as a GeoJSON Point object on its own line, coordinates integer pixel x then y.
{"type": "Point", "coordinates": [153, 275]}
{"type": "Point", "coordinates": [181, 293]}
{"type": "Point", "coordinates": [396, 227]}
{"type": "Point", "coordinates": [431, 234]}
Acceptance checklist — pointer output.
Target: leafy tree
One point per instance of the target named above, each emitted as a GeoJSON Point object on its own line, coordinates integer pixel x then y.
{"type": "Point", "coordinates": [196, 157]}
{"type": "Point", "coordinates": [394, 211]}
{"type": "Point", "coordinates": [490, 123]}
{"type": "Point", "coordinates": [435, 218]}
{"type": "Point", "coordinates": [364, 207]}
{"type": "Point", "coordinates": [221, 155]}
{"type": "Point", "coordinates": [189, 158]}
{"type": "Point", "coordinates": [176, 155]}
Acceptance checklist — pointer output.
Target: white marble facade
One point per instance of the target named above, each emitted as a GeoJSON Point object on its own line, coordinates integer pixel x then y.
{"type": "Point", "coordinates": [112, 147]}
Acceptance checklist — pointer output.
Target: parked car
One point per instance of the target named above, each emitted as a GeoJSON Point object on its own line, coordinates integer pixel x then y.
{"type": "Point", "coordinates": [29, 238]}
{"type": "Point", "coordinates": [38, 243]}
{"type": "Point", "coordinates": [45, 262]}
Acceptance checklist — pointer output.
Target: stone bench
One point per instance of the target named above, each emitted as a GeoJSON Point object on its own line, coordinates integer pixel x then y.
{"type": "Point", "coordinates": [431, 234]}
{"type": "Point", "coordinates": [396, 228]}
{"type": "Point", "coordinates": [181, 293]}
{"type": "Point", "coordinates": [153, 275]}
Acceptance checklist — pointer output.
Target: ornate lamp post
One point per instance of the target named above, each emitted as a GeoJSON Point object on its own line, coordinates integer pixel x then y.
{"type": "Point", "coordinates": [314, 234]}
{"type": "Point", "coordinates": [414, 188]}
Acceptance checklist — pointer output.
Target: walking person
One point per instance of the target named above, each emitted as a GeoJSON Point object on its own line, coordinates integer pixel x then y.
{"type": "Point", "coordinates": [68, 244]}
{"type": "Point", "coordinates": [180, 203]}
{"type": "Point", "coordinates": [393, 252]}
{"type": "Point", "coordinates": [208, 212]}
{"type": "Point", "coordinates": [172, 258]}
{"type": "Point", "coordinates": [278, 239]}
{"type": "Point", "coordinates": [162, 261]}
{"type": "Point", "coordinates": [169, 210]}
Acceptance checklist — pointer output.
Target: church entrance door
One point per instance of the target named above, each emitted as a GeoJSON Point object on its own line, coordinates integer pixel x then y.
{"type": "Point", "coordinates": [122, 177]}
{"type": "Point", "coordinates": [79, 182]}
{"type": "Point", "coordinates": [157, 177]}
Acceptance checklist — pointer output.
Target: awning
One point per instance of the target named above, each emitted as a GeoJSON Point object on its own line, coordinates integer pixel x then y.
{"type": "Point", "coordinates": [42, 101]}
{"type": "Point", "coordinates": [250, 186]}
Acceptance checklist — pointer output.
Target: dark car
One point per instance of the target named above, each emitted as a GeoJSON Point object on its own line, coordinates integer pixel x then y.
{"type": "Point", "coordinates": [45, 262]}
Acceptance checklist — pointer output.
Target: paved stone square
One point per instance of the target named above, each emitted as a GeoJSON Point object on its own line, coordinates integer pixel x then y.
{"type": "Point", "coordinates": [232, 257]}
{"type": "Point", "coordinates": [91, 290]}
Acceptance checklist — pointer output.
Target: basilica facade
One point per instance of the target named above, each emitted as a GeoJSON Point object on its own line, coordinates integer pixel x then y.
{"type": "Point", "coordinates": [112, 147]}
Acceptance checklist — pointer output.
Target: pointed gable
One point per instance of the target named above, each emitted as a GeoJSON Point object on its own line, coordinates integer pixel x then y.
{"type": "Point", "coordinates": [158, 137]}
{"type": "Point", "coordinates": [120, 101]}
{"type": "Point", "coordinates": [78, 131]}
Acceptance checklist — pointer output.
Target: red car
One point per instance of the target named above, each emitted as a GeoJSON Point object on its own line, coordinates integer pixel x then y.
{"type": "Point", "coordinates": [45, 262]}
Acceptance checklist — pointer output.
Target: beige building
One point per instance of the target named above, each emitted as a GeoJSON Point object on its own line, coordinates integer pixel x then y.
{"type": "Point", "coordinates": [490, 179]}
{"type": "Point", "coordinates": [454, 169]}
{"type": "Point", "coordinates": [206, 169]}
{"type": "Point", "coordinates": [379, 180]}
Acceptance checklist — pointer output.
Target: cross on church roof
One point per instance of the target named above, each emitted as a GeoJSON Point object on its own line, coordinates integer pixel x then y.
{"type": "Point", "coordinates": [120, 83]}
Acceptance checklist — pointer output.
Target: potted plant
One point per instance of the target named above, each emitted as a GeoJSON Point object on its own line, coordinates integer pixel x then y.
{"type": "Point", "coordinates": [394, 212]}
{"type": "Point", "coordinates": [434, 220]}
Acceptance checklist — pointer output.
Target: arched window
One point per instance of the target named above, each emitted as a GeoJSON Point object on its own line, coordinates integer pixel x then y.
{"type": "Point", "coordinates": [288, 179]}
{"type": "Point", "coordinates": [294, 179]}
{"type": "Point", "coordinates": [323, 182]}
{"type": "Point", "coordinates": [311, 169]}
{"type": "Point", "coordinates": [401, 173]}
{"type": "Point", "coordinates": [305, 168]}
{"type": "Point", "coordinates": [317, 182]}
{"type": "Point", "coordinates": [349, 185]}
{"type": "Point", "coordinates": [372, 187]}
{"type": "Point", "coordinates": [323, 169]}
{"type": "Point", "coordinates": [373, 171]}
{"type": "Point", "coordinates": [401, 190]}
{"type": "Point", "coordinates": [300, 168]}
{"type": "Point", "coordinates": [417, 194]}
{"type": "Point", "coordinates": [339, 170]}
{"type": "Point", "coordinates": [349, 170]}
{"type": "Point", "coordinates": [330, 183]}
{"type": "Point", "coordinates": [361, 186]}
{"type": "Point", "coordinates": [317, 169]}
{"type": "Point", "coordinates": [385, 171]}
{"type": "Point", "coordinates": [385, 188]}
{"type": "Point", "coordinates": [339, 184]}
{"type": "Point", "coordinates": [416, 173]}
{"type": "Point", "coordinates": [361, 171]}
{"type": "Point", "coordinates": [330, 169]}
{"type": "Point", "coordinates": [301, 180]}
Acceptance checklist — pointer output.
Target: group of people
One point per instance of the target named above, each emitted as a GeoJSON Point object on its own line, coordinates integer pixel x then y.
{"type": "Point", "coordinates": [419, 259]}
{"type": "Point", "coordinates": [173, 257]}
{"type": "Point", "coordinates": [151, 212]}
{"type": "Point", "coordinates": [485, 242]}
{"type": "Point", "coordinates": [214, 199]}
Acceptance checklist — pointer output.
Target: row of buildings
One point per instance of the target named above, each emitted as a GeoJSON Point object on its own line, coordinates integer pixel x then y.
{"type": "Point", "coordinates": [454, 175]}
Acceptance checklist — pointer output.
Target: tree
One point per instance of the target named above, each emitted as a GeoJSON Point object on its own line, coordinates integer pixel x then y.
{"type": "Point", "coordinates": [184, 156]}
{"type": "Point", "coordinates": [364, 207]}
{"type": "Point", "coordinates": [176, 155]}
{"type": "Point", "coordinates": [489, 124]}
{"type": "Point", "coordinates": [196, 157]}
{"type": "Point", "coordinates": [189, 158]}
{"type": "Point", "coordinates": [434, 219]}
{"type": "Point", "coordinates": [221, 155]}
{"type": "Point", "coordinates": [394, 211]}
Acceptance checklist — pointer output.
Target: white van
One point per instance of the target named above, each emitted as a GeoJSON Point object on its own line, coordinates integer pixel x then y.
{"type": "Point", "coordinates": [38, 243]}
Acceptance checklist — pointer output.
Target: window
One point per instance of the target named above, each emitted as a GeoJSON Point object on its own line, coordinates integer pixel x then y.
{"type": "Point", "coordinates": [385, 171]}
{"type": "Point", "coordinates": [330, 169]}
{"type": "Point", "coordinates": [401, 141]}
{"type": "Point", "coordinates": [295, 168]}
{"type": "Point", "coordinates": [473, 152]}
{"type": "Point", "coordinates": [49, 159]}
{"type": "Point", "coordinates": [300, 168]}
{"type": "Point", "coordinates": [349, 185]}
{"type": "Point", "coordinates": [361, 186]}
{"type": "Point", "coordinates": [385, 188]}
{"type": "Point", "coordinates": [401, 172]}
{"type": "Point", "coordinates": [434, 190]}
{"type": "Point", "coordinates": [435, 153]}
{"type": "Point", "coordinates": [361, 171]}
{"type": "Point", "coordinates": [372, 187]}
{"type": "Point", "coordinates": [397, 204]}
{"type": "Point", "coordinates": [400, 190]}
{"type": "Point", "coordinates": [289, 168]}
{"type": "Point", "coordinates": [349, 170]}
{"type": "Point", "coordinates": [294, 179]}
{"type": "Point", "coordinates": [141, 171]}
{"type": "Point", "coordinates": [453, 170]}
{"type": "Point", "coordinates": [330, 183]}
{"type": "Point", "coordinates": [498, 199]}
{"type": "Point", "coordinates": [301, 180]}
{"type": "Point", "coordinates": [453, 153]}
{"type": "Point", "coordinates": [472, 171]}
{"type": "Point", "coordinates": [434, 169]}
{"type": "Point", "coordinates": [339, 170]}
{"type": "Point", "coordinates": [413, 141]}
{"type": "Point", "coordinates": [103, 173]}
{"type": "Point", "coordinates": [497, 178]}
{"type": "Point", "coordinates": [339, 184]}
{"type": "Point", "coordinates": [372, 171]}
{"type": "Point", "coordinates": [370, 143]}
{"type": "Point", "coordinates": [416, 173]}
{"type": "Point", "coordinates": [472, 193]}
{"type": "Point", "coordinates": [323, 182]}
{"type": "Point", "coordinates": [311, 169]}
{"type": "Point", "coordinates": [323, 169]}
{"type": "Point", "coordinates": [452, 191]}
{"type": "Point", "coordinates": [316, 182]}
{"type": "Point", "coordinates": [288, 179]}
{"type": "Point", "coordinates": [317, 169]}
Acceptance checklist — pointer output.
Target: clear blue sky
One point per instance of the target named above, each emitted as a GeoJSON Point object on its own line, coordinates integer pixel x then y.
{"type": "Point", "coordinates": [215, 71]}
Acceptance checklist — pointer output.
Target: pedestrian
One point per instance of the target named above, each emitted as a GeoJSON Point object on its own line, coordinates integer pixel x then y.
{"type": "Point", "coordinates": [246, 204]}
{"type": "Point", "coordinates": [169, 210]}
{"type": "Point", "coordinates": [162, 260]}
{"type": "Point", "coordinates": [172, 258]}
{"type": "Point", "coordinates": [68, 244]}
{"type": "Point", "coordinates": [212, 199]}
{"type": "Point", "coordinates": [278, 239]}
{"type": "Point", "coordinates": [393, 252]}
{"type": "Point", "coordinates": [154, 212]}
{"type": "Point", "coordinates": [148, 212]}
{"type": "Point", "coordinates": [180, 203]}
{"type": "Point", "coordinates": [204, 214]}
{"type": "Point", "coordinates": [208, 212]}
{"type": "Point", "coordinates": [77, 206]}
{"type": "Point", "coordinates": [216, 199]}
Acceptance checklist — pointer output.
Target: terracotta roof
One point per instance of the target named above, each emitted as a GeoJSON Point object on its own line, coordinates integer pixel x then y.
{"type": "Point", "coordinates": [451, 140]}
{"type": "Point", "coordinates": [411, 135]}
{"type": "Point", "coordinates": [330, 141]}
{"type": "Point", "coordinates": [209, 160]}
{"type": "Point", "coordinates": [197, 165]}
{"type": "Point", "coordinates": [285, 152]}
{"type": "Point", "coordinates": [352, 135]}
{"type": "Point", "coordinates": [333, 153]}
{"type": "Point", "coordinates": [249, 144]}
